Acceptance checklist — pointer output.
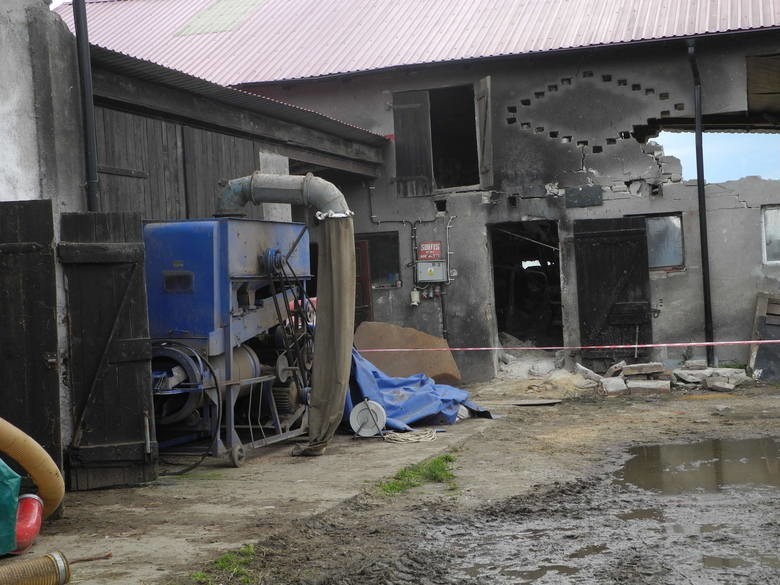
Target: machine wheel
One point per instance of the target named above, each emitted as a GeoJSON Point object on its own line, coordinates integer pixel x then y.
{"type": "Point", "coordinates": [237, 456]}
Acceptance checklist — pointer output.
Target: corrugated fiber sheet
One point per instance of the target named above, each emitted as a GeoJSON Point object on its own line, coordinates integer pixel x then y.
{"type": "Point", "coordinates": [232, 42]}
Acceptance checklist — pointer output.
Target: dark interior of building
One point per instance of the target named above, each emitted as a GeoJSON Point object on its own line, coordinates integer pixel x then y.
{"type": "Point", "coordinates": [526, 276]}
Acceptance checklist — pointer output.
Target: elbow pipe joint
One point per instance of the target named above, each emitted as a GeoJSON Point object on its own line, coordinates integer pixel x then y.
{"type": "Point", "coordinates": [319, 194]}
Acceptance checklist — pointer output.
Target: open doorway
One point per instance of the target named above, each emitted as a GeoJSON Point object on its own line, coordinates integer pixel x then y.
{"type": "Point", "coordinates": [527, 281]}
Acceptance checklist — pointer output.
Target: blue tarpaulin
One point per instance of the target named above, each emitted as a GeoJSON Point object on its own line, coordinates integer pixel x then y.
{"type": "Point", "coordinates": [416, 399]}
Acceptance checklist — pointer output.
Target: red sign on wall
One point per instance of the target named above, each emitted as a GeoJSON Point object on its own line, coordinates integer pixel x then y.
{"type": "Point", "coordinates": [429, 251]}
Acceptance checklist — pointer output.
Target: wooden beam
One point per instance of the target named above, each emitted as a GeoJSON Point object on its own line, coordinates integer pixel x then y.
{"type": "Point", "coordinates": [287, 138]}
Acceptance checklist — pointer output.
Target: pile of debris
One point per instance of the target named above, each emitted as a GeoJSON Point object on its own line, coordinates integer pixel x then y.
{"type": "Point", "coordinates": [655, 378]}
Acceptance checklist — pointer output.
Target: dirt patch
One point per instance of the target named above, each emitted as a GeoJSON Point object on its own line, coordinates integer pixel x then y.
{"type": "Point", "coordinates": [535, 501]}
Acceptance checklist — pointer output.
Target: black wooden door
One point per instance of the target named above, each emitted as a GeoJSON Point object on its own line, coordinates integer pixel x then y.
{"type": "Point", "coordinates": [29, 379]}
{"type": "Point", "coordinates": [613, 284]}
{"type": "Point", "coordinates": [113, 441]}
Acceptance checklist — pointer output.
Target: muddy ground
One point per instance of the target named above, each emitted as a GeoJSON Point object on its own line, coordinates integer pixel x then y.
{"type": "Point", "coordinates": [537, 499]}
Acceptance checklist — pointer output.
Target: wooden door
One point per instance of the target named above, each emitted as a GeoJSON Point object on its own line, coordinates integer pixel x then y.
{"type": "Point", "coordinates": [29, 377]}
{"type": "Point", "coordinates": [110, 361]}
{"type": "Point", "coordinates": [613, 284]}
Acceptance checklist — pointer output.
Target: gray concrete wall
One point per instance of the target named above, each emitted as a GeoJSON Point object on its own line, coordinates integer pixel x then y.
{"type": "Point", "coordinates": [596, 96]}
{"type": "Point", "coordinates": [40, 127]}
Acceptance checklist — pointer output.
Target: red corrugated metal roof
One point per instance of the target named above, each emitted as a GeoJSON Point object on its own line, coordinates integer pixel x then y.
{"type": "Point", "coordinates": [293, 39]}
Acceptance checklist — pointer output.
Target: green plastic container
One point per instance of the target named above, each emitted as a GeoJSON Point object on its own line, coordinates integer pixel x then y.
{"type": "Point", "coordinates": [9, 500]}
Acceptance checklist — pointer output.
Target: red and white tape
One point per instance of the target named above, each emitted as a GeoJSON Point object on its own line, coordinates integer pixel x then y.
{"type": "Point", "coordinates": [570, 347]}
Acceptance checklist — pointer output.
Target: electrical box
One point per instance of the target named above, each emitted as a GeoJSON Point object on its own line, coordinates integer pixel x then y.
{"type": "Point", "coordinates": [432, 271]}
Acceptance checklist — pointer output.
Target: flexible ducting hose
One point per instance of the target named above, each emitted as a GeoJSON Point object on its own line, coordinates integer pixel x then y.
{"type": "Point", "coordinates": [31, 456]}
{"type": "Point", "coordinates": [51, 569]}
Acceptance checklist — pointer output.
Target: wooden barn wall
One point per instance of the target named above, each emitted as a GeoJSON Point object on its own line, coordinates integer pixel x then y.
{"type": "Point", "coordinates": [166, 170]}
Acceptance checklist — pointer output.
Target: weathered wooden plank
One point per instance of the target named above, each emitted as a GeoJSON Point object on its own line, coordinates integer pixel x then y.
{"type": "Point", "coordinates": [29, 378]}
{"type": "Point", "coordinates": [110, 348]}
{"type": "Point", "coordinates": [130, 350]}
{"type": "Point", "coordinates": [115, 90]}
{"type": "Point", "coordinates": [101, 252]}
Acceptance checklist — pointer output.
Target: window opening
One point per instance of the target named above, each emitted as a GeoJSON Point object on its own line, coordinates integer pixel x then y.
{"type": "Point", "coordinates": [527, 282]}
{"type": "Point", "coordinates": [382, 259]}
{"type": "Point", "coordinates": [454, 137]}
{"type": "Point", "coordinates": [771, 221]}
{"type": "Point", "coordinates": [665, 242]}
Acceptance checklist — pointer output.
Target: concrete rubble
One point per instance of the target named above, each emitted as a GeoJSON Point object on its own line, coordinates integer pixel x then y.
{"type": "Point", "coordinates": [655, 378]}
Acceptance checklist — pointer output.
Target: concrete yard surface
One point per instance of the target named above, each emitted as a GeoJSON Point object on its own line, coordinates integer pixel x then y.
{"type": "Point", "coordinates": [534, 500]}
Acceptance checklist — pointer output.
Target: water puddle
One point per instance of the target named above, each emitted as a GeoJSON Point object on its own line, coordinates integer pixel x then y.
{"type": "Point", "coordinates": [708, 466]}
{"type": "Point", "coordinates": [705, 513]}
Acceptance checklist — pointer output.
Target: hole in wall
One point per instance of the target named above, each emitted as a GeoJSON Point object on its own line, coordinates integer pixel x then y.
{"type": "Point", "coordinates": [582, 143]}
{"type": "Point", "coordinates": [513, 200]}
{"type": "Point", "coordinates": [587, 73]}
{"type": "Point", "coordinates": [525, 102]}
{"type": "Point", "coordinates": [511, 109]}
{"type": "Point", "coordinates": [511, 120]}
{"type": "Point", "coordinates": [525, 125]}
{"type": "Point", "coordinates": [649, 91]}
{"type": "Point", "coordinates": [539, 129]}
{"type": "Point", "coordinates": [538, 94]}
{"type": "Point", "coordinates": [625, 134]}
{"type": "Point", "coordinates": [554, 134]}
{"type": "Point", "coordinates": [566, 81]}
{"type": "Point", "coordinates": [606, 78]}
{"type": "Point", "coordinates": [635, 87]}
{"type": "Point", "coordinates": [566, 139]}
{"type": "Point", "coordinates": [665, 113]}
{"type": "Point", "coordinates": [552, 88]}
{"type": "Point", "coordinates": [727, 156]}
{"type": "Point", "coordinates": [441, 205]}
{"type": "Point", "coordinates": [663, 96]}
{"type": "Point", "coordinates": [679, 107]}
{"type": "Point", "coordinates": [526, 278]}
{"type": "Point", "coordinates": [611, 141]}
{"type": "Point", "coordinates": [598, 149]}
{"type": "Point", "coordinates": [622, 82]}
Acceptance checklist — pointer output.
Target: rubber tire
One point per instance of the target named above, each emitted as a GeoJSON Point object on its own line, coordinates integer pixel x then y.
{"type": "Point", "coordinates": [237, 456]}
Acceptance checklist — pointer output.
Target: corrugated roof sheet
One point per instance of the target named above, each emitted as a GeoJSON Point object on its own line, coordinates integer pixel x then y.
{"type": "Point", "coordinates": [278, 40]}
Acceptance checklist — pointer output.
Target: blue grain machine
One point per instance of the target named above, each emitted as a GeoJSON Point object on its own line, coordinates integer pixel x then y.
{"type": "Point", "coordinates": [231, 332]}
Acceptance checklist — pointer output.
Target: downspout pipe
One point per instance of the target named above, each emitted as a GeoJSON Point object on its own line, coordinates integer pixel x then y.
{"type": "Point", "coordinates": [87, 102]}
{"type": "Point", "coordinates": [709, 333]}
{"type": "Point", "coordinates": [257, 188]}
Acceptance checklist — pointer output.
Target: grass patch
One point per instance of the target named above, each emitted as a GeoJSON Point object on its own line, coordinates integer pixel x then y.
{"type": "Point", "coordinates": [235, 565]}
{"type": "Point", "coordinates": [436, 470]}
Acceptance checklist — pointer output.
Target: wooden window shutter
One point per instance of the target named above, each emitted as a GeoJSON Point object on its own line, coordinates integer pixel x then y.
{"type": "Point", "coordinates": [413, 155]}
{"type": "Point", "coordinates": [484, 132]}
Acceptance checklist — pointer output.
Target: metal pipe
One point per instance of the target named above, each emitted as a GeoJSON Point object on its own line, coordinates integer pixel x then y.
{"type": "Point", "coordinates": [87, 102]}
{"type": "Point", "coordinates": [443, 303]}
{"type": "Point", "coordinates": [258, 188]}
{"type": "Point", "coordinates": [700, 185]}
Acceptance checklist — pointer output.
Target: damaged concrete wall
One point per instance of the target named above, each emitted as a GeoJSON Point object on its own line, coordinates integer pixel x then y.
{"type": "Point", "coordinates": [561, 122]}
{"type": "Point", "coordinates": [41, 131]}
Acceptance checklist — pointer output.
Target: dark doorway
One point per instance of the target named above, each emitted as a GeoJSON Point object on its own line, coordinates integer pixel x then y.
{"type": "Point", "coordinates": [527, 281]}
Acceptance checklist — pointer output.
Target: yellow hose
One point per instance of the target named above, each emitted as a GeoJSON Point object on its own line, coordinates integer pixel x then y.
{"type": "Point", "coordinates": [29, 454]}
